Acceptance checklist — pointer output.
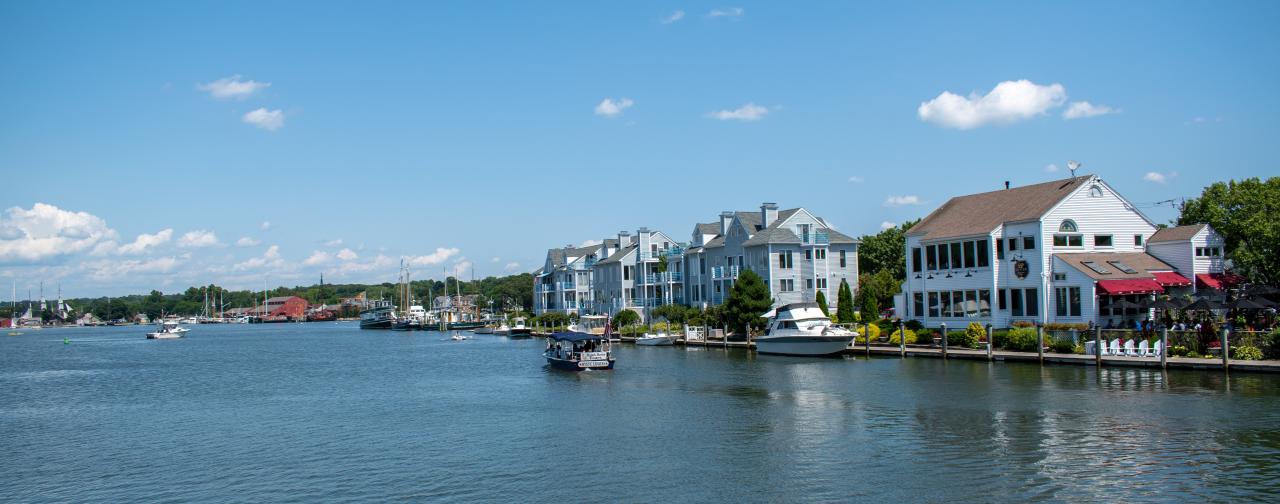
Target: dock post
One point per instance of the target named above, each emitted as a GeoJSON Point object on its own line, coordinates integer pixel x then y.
{"type": "Point", "coordinates": [902, 338]}
{"type": "Point", "coordinates": [990, 334]}
{"type": "Point", "coordinates": [1164, 347]}
{"type": "Point", "coordinates": [1040, 342]}
{"type": "Point", "coordinates": [1097, 346]}
{"type": "Point", "coordinates": [944, 340]}
{"type": "Point", "coordinates": [1226, 348]}
{"type": "Point", "coordinates": [866, 337]}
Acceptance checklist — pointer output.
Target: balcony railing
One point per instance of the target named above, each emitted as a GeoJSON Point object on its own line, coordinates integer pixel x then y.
{"type": "Point", "coordinates": [817, 238]}
{"type": "Point", "coordinates": [546, 287]}
{"type": "Point", "coordinates": [724, 272]}
{"type": "Point", "coordinates": [566, 286]}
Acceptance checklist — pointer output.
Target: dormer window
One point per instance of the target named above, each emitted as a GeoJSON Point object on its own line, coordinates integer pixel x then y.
{"type": "Point", "coordinates": [1068, 226]}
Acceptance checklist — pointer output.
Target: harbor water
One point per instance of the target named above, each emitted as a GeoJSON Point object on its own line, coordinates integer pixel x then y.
{"type": "Point", "coordinates": [327, 412]}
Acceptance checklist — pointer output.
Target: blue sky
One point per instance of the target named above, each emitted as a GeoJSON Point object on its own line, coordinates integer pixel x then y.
{"type": "Point", "coordinates": [477, 135]}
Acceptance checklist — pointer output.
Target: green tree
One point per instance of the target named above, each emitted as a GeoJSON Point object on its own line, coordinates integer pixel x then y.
{"type": "Point", "coordinates": [748, 300]}
{"type": "Point", "coordinates": [625, 318]}
{"type": "Point", "coordinates": [875, 291]}
{"type": "Point", "coordinates": [844, 304]}
{"type": "Point", "coordinates": [868, 299]}
{"type": "Point", "coordinates": [1245, 214]}
{"type": "Point", "coordinates": [821, 299]}
{"type": "Point", "coordinates": [885, 250]}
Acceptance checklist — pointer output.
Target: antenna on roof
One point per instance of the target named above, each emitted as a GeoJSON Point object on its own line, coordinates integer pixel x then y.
{"type": "Point", "coordinates": [1073, 166]}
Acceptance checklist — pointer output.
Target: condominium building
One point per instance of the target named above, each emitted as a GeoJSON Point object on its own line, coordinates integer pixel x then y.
{"type": "Point", "coordinates": [564, 282]}
{"type": "Point", "coordinates": [644, 272]}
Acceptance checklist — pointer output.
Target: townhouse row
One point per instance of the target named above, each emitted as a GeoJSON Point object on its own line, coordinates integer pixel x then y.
{"type": "Point", "coordinates": [795, 252]}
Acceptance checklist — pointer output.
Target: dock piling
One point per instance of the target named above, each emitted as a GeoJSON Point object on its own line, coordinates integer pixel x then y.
{"type": "Point", "coordinates": [990, 334]}
{"type": "Point", "coordinates": [1097, 346]}
{"type": "Point", "coordinates": [902, 338]}
{"type": "Point", "coordinates": [1164, 348]}
{"type": "Point", "coordinates": [1040, 343]}
{"type": "Point", "coordinates": [866, 337]}
{"type": "Point", "coordinates": [1226, 348]}
{"type": "Point", "coordinates": [944, 340]}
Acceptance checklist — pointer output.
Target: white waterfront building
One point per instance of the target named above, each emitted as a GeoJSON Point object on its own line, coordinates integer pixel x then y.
{"type": "Point", "coordinates": [1059, 251]}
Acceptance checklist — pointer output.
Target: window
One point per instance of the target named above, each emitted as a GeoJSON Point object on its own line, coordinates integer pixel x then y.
{"type": "Point", "coordinates": [784, 260]}
{"type": "Point", "coordinates": [841, 258]}
{"type": "Point", "coordinates": [717, 287]}
{"type": "Point", "coordinates": [944, 260]}
{"type": "Point", "coordinates": [822, 283]}
{"type": "Point", "coordinates": [786, 285]}
{"type": "Point", "coordinates": [1015, 302]}
{"type": "Point", "coordinates": [1028, 242]}
{"type": "Point", "coordinates": [999, 249]}
{"type": "Point", "coordinates": [984, 303]}
{"type": "Point", "coordinates": [820, 253]}
{"type": "Point", "coordinates": [808, 283]}
{"type": "Point", "coordinates": [1068, 226]}
{"type": "Point", "coordinates": [956, 259]}
{"type": "Point", "coordinates": [1000, 300]}
{"type": "Point", "coordinates": [983, 260]}
{"type": "Point", "coordinates": [1013, 244]}
{"type": "Point", "coordinates": [702, 265]}
{"type": "Point", "coordinates": [915, 259]}
{"type": "Point", "coordinates": [931, 253]}
{"type": "Point", "coordinates": [1060, 240]}
{"type": "Point", "coordinates": [1059, 277]}
{"type": "Point", "coordinates": [918, 305]}
{"type": "Point", "coordinates": [1102, 240]}
{"type": "Point", "coordinates": [1095, 192]}
{"type": "Point", "coordinates": [808, 254]}
{"type": "Point", "coordinates": [1208, 251]}
{"type": "Point", "coordinates": [1066, 301]}
{"type": "Point", "coordinates": [1033, 303]}
{"type": "Point", "coordinates": [933, 304]}
{"type": "Point", "coordinates": [957, 303]}
{"type": "Point", "coordinates": [626, 272]}
{"type": "Point", "coordinates": [969, 252]}
{"type": "Point", "coordinates": [1137, 240]}
{"type": "Point", "coordinates": [946, 303]}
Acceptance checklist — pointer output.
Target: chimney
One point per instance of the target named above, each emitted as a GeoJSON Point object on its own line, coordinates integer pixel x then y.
{"type": "Point", "coordinates": [1006, 184]}
{"type": "Point", "coordinates": [624, 239]}
{"type": "Point", "coordinates": [726, 218]}
{"type": "Point", "coordinates": [768, 213]}
{"type": "Point", "coordinates": [642, 239]}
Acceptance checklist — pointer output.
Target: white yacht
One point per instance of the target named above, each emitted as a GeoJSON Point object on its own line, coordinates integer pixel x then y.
{"type": "Point", "coordinates": [168, 330]}
{"type": "Point", "coordinates": [802, 329]}
{"type": "Point", "coordinates": [660, 339]}
{"type": "Point", "coordinates": [502, 330]}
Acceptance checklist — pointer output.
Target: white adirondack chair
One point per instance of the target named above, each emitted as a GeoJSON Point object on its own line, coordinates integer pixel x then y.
{"type": "Point", "coordinates": [1129, 350]}
{"type": "Point", "coordinates": [1144, 349]}
{"type": "Point", "coordinates": [1157, 347]}
{"type": "Point", "coordinates": [1113, 349]}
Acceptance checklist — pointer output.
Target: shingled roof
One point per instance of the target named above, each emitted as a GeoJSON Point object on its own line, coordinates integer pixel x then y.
{"type": "Point", "coordinates": [1180, 233]}
{"type": "Point", "coordinates": [1141, 262]}
{"type": "Point", "coordinates": [981, 213]}
{"type": "Point", "coordinates": [617, 256]}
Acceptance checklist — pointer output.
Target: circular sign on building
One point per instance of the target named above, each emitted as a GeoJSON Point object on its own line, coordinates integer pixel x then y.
{"type": "Point", "coordinates": [1021, 269]}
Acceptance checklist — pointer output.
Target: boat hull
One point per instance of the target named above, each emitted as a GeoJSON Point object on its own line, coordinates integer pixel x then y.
{"type": "Point", "coordinates": [462, 326]}
{"type": "Point", "coordinates": [163, 336]}
{"type": "Point", "coordinates": [573, 365]}
{"type": "Point", "coordinates": [376, 324]}
{"type": "Point", "coordinates": [802, 345]}
{"type": "Point", "coordinates": [656, 341]}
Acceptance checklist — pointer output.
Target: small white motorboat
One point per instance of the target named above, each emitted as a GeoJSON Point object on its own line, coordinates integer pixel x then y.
{"type": "Point", "coordinates": [503, 330]}
{"type": "Point", "coordinates": [458, 337]}
{"type": "Point", "coordinates": [802, 329]}
{"type": "Point", "coordinates": [168, 330]}
{"type": "Point", "coordinates": [660, 339]}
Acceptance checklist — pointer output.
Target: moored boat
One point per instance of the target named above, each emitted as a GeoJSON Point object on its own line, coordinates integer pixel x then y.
{"type": "Point", "coordinates": [802, 329]}
{"type": "Point", "coordinates": [659, 339]}
{"type": "Point", "coordinates": [576, 351]}
{"type": "Point", "coordinates": [378, 315]}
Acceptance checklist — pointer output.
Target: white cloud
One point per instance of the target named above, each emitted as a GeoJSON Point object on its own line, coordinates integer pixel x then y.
{"type": "Point", "coordinates": [145, 241]}
{"type": "Point", "coordinates": [441, 255]}
{"type": "Point", "coordinates": [317, 257]}
{"type": "Point", "coordinates": [269, 258]}
{"type": "Point", "coordinates": [461, 267]}
{"type": "Point", "coordinates": [1159, 178]}
{"type": "Point", "coordinates": [347, 254]}
{"type": "Point", "coordinates": [495, 259]}
{"type": "Point", "coordinates": [232, 88]}
{"type": "Point", "coordinates": [1083, 109]}
{"type": "Point", "coordinates": [333, 243]}
{"type": "Point", "coordinates": [197, 239]}
{"type": "Point", "coordinates": [887, 225]}
{"type": "Point", "coordinates": [46, 231]}
{"type": "Point", "coordinates": [1050, 168]}
{"type": "Point", "coordinates": [269, 120]}
{"type": "Point", "coordinates": [856, 180]}
{"type": "Point", "coordinates": [266, 225]}
{"type": "Point", "coordinates": [378, 263]}
{"type": "Point", "coordinates": [731, 12]}
{"type": "Point", "coordinates": [247, 242]}
{"type": "Point", "coordinates": [1008, 102]}
{"type": "Point", "coordinates": [748, 112]}
{"type": "Point", "coordinates": [675, 16]}
{"type": "Point", "coordinates": [610, 108]}
{"type": "Point", "coordinates": [511, 266]}
{"type": "Point", "coordinates": [894, 201]}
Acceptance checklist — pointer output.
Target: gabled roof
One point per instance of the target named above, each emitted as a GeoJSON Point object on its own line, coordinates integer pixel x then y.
{"type": "Point", "coordinates": [981, 213]}
{"type": "Point", "coordinates": [834, 236]}
{"type": "Point", "coordinates": [707, 228]}
{"type": "Point", "coordinates": [1141, 262]}
{"type": "Point", "coordinates": [714, 243]}
{"type": "Point", "coordinates": [558, 256]}
{"type": "Point", "coordinates": [617, 256]}
{"type": "Point", "coordinates": [772, 235]}
{"type": "Point", "coordinates": [1180, 233]}
{"type": "Point", "coordinates": [751, 220]}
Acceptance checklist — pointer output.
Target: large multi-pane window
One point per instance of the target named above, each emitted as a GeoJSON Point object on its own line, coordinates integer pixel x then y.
{"type": "Point", "coordinates": [1015, 302]}
{"type": "Point", "coordinates": [1102, 240]}
{"type": "Point", "coordinates": [967, 254]}
{"type": "Point", "coordinates": [957, 261]}
{"type": "Point", "coordinates": [933, 304]}
{"type": "Point", "coordinates": [915, 259]}
{"type": "Point", "coordinates": [918, 306]}
{"type": "Point", "coordinates": [944, 258]}
{"type": "Point", "coordinates": [931, 254]}
{"type": "Point", "coordinates": [842, 263]}
{"type": "Point", "coordinates": [786, 285]}
{"type": "Point", "coordinates": [785, 260]}
{"type": "Point", "coordinates": [955, 304]}
{"type": "Point", "coordinates": [1068, 240]}
{"type": "Point", "coordinates": [1067, 301]}
{"type": "Point", "coordinates": [983, 259]}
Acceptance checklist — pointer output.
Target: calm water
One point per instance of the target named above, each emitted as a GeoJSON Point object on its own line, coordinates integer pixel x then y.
{"type": "Point", "coordinates": [289, 413]}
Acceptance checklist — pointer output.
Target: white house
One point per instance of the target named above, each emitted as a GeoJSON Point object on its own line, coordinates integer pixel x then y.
{"type": "Point", "coordinates": [1059, 251]}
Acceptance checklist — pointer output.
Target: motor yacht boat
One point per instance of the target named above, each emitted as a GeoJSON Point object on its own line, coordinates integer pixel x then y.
{"type": "Point", "coordinates": [168, 330]}
{"type": "Point", "coordinates": [378, 315]}
{"type": "Point", "coordinates": [659, 339]}
{"type": "Point", "coordinates": [802, 329]}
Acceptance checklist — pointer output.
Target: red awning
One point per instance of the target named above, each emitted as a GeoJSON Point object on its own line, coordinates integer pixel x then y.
{"type": "Point", "coordinates": [1171, 279]}
{"type": "Point", "coordinates": [1130, 286]}
{"type": "Point", "coordinates": [1218, 280]}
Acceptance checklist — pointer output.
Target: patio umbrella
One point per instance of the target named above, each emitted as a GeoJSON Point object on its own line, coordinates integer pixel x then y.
{"type": "Point", "coordinates": [1245, 304]}
{"type": "Point", "coordinates": [1203, 304]}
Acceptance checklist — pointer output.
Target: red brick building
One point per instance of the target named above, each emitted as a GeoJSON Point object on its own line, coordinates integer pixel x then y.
{"type": "Point", "coordinates": [291, 307]}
